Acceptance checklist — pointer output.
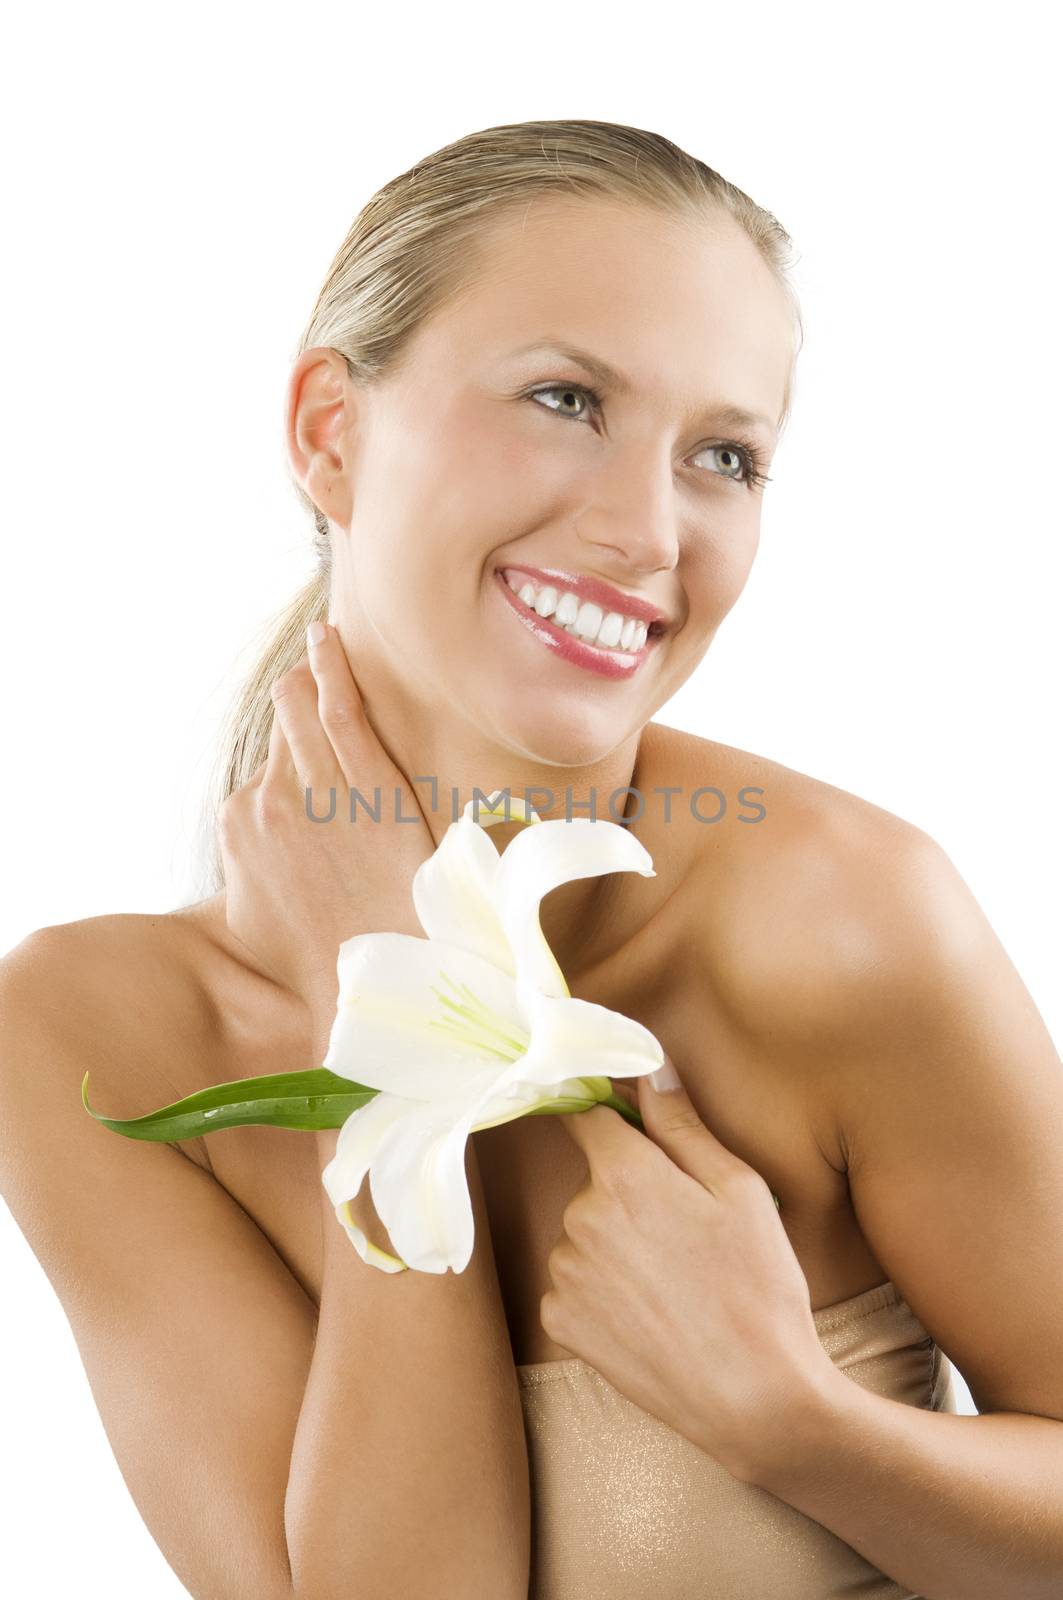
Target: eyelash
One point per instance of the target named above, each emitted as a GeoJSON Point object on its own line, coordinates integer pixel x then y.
{"type": "Point", "coordinates": [753, 459]}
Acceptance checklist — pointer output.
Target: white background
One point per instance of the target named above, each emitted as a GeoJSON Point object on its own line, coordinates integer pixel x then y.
{"type": "Point", "coordinates": [177, 183]}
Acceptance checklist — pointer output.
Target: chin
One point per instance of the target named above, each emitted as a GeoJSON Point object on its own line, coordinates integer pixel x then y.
{"type": "Point", "coordinates": [564, 739]}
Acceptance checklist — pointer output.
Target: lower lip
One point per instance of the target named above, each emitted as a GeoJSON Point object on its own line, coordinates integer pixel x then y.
{"type": "Point", "coordinates": [607, 663]}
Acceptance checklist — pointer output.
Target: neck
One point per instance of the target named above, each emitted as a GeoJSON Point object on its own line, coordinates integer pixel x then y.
{"type": "Point", "coordinates": [452, 758]}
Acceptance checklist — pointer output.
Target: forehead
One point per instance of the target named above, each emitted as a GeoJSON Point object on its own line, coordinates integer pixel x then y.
{"type": "Point", "coordinates": [686, 309]}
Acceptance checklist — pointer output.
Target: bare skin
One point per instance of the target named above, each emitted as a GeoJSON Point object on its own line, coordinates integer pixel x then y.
{"type": "Point", "coordinates": [431, 481]}
{"type": "Point", "coordinates": [651, 962]}
{"type": "Point", "coordinates": [844, 1019]}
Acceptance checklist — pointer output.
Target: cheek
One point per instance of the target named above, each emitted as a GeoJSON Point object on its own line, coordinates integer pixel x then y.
{"type": "Point", "coordinates": [498, 496]}
{"type": "Point", "coordinates": [719, 569]}
{"type": "Point", "coordinates": [504, 475]}
{"type": "Point", "coordinates": [464, 496]}
{"type": "Point", "coordinates": [733, 577]}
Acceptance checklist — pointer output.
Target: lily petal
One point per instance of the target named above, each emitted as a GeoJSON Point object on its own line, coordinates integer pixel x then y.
{"type": "Point", "coordinates": [470, 1027]}
{"type": "Point", "coordinates": [454, 890]}
{"type": "Point", "coordinates": [453, 894]}
{"type": "Point", "coordinates": [571, 1093]}
{"type": "Point", "coordinates": [541, 859]}
{"type": "Point", "coordinates": [419, 1185]}
{"type": "Point", "coordinates": [416, 1159]}
{"type": "Point", "coordinates": [570, 1036]}
{"type": "Point", "coordinates": [356, 1147]}
{"type": "Point", "coordinates": [422, 1018]}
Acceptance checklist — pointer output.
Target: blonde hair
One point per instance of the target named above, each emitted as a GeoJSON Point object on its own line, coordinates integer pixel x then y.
{"type": "Point", "coordinates": [412, 247]}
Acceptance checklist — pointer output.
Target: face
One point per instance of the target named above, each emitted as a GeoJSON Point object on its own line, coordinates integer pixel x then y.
{"type": "Point", "coordinates": [489, 451]}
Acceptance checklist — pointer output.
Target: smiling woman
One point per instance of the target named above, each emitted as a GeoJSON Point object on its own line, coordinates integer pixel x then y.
{"type": "Point", "coordinates": [532, 418]}
{"type": "Point", "coordinates": [467, 438]}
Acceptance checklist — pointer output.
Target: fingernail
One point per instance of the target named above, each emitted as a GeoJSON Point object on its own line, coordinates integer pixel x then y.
{"type": "Point", "coordinates": [316, 632]}
{"type": "Point", "coordinates": [665, 1078]}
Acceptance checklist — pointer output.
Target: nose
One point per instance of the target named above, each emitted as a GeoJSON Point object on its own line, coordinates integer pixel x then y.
{"type": "Point", "coordinates": [633, 517]}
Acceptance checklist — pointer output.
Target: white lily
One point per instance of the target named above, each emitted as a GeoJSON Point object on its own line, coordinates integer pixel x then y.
{"type": "Point", "coordinates": [469, 1027]}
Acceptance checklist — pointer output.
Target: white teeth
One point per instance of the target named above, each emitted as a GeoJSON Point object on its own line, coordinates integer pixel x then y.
{"type": "Point", "coordinates": [584, 620]}
{"type": "Point", "coordinates": [589, 620]}
{"type": "Point", "coordinates": [567, 610]}
{"type": "Point", "coordinates": [609, 632]}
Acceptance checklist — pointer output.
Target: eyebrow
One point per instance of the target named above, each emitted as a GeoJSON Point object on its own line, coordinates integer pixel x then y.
{"type": "Point", "coordinates": [735, 416]}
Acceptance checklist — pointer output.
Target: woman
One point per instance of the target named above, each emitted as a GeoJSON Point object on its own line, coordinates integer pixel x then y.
{"type": "Point", "coordinates": [554, 359]}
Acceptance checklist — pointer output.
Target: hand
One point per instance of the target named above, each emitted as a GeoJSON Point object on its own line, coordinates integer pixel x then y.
{"type": "Point", "coordinates": [296, 888]}
{"type": "Point", "coordinates": [675, 1279]}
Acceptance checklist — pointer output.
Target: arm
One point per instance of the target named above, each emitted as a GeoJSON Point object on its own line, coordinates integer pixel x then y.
{"type": "Point", "coordinates": [948, 1096]}
{"type": "Point", "coordinates": [410, 1465]}
{"type": "Point", "coordinates": [955, 1507]}
{"type": "Point", "coordinates": [199, 1344]}
{"type": "Point", "coordinates": [194, 1336]}
{"type": "Point", "coordinates": [409, 1472]}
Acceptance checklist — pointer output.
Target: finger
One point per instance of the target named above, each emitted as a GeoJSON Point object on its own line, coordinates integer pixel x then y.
{"type": "Point", "coordinates": [675, 1125]}
{"type": "Point", "coordinates": [626, 1091]}
{"type": "Point", "coordinates": [601, 1133]}
{"type": "Point", "coordinates": [277, 755]}
{"type": "Point", "coordinates": [341, 711]}
{"type": "Point", "coordinates": [564, 1261]}
{"type": "Point", "coordinates": [364, 760]}
{"type": "Point", "coordinates": [279, 767]}
{"type": "Point", "coordinates": [295, 704]}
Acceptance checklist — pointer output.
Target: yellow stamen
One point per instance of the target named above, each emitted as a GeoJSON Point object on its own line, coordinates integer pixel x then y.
{"type": "Point", "coordinates": [474, 1021]}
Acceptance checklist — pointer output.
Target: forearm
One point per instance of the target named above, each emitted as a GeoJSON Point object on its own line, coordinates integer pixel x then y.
{"type": "Point", "coordinates": [409, 1471]}
{"type": "Point", "coordinates": [956, 1507]}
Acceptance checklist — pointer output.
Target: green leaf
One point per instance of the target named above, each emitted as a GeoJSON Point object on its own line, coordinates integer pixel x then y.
{"type": "Point", "coordinates": [308, 1100]}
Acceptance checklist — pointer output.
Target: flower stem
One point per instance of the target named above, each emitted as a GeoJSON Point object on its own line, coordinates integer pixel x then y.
{"type": "Point", "coordinates": [618, 1103]}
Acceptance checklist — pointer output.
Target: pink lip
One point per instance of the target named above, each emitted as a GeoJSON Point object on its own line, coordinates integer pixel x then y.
{"type": "Point", "coordinates": [607, 663]}
{"type": "Point", "coordinates": [603, 594]}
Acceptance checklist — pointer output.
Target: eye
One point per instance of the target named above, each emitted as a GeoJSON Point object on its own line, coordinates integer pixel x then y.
{"type": "Point", "coordinates": [568, 392]}
{"type": "Point", "coordinates": [737, 460]}
{"type": "Point", "coordinates": [747, 456]}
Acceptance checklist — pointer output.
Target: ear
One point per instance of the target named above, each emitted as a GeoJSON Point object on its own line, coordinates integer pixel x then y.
{"type": "Point", "coordinates": [321, 407]}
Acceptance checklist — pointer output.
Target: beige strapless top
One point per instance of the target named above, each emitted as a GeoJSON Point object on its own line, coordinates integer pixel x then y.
{"type": "Point", "coordinates": [625, 1508]}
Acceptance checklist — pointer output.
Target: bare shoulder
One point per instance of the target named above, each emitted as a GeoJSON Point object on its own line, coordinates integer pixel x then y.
{"type": "Point", "coordinates": [125, 989]}
{"type": "Point", "coordinates": [115, 955]}
{"type": "Point", "coordinates": [857, 964]}
{"type": "Point", "coordinates": [808, 896]}
{"type": "Point", "coordinates": [833, 935]}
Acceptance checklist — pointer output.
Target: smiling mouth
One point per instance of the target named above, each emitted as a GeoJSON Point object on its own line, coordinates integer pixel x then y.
{"type": "Point", "coordinates": [586, 607]}
{"type": "Point", "coordinates": [604, 660]}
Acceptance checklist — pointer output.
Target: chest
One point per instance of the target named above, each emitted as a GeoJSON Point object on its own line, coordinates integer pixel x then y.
{"type": "Point", "coordinates": [532, 1168]}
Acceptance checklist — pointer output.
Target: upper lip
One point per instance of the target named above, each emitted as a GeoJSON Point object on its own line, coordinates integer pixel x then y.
{"type": "Point", "coordinates": [590, 588]}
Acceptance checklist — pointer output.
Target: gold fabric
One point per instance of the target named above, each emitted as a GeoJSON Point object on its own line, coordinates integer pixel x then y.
{"type": "Point", "coordinates": [625, 1508]}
